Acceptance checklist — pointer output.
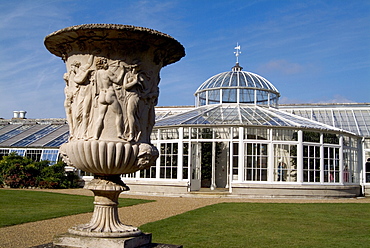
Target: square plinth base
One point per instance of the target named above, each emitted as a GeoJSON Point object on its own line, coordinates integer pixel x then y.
{"type": "Point", "coordinates": [68, 240]}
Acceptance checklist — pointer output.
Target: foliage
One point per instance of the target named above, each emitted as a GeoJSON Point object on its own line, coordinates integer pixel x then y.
{"type": "Point", "coordinates": [54, 176]}
{"type": "Point", "coordinates": [22, 206]}
{"type": "Point", "coordinates": [13, 169]}
{"type": "Point", "coordinates": [21, 172]}
{"type": "Point", "coordinates": [267, 225]}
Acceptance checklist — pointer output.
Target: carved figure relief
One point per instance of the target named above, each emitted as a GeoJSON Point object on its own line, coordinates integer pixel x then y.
{"type": "Point", "coordinates": [83, 99]}
{"type": "Point", "coordinates": [106, 77]}
{"type": "Point", "coordinates": [149, 99]}
{"type": "Point", "coordinates": [70, 92]}
{"type": "Point", "coordinates": [132, 88]}
{"type": "Point", "coordinates": [100, 85]}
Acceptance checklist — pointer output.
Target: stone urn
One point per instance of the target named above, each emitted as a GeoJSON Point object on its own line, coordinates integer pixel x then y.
{"type": "Point", "coordinates": [112, 78]}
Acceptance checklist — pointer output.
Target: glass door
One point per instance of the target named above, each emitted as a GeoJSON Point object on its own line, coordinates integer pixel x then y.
{"type": "Point", "coordinates": [195, 166]}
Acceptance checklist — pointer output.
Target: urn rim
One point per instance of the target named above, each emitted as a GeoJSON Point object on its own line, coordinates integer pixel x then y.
{"type": "Point", "coordinates": [54, 41]}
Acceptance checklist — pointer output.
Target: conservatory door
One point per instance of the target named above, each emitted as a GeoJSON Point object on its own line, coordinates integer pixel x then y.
{"type": "Point", "coordinates": [195, 166]}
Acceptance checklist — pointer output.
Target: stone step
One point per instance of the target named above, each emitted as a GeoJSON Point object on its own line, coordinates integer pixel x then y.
{"type": "Point", "coordinates": [207, 191]}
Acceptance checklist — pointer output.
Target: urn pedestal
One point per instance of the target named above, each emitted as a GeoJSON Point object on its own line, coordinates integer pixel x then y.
{"type": "Point", "coordinates": [111, 89]}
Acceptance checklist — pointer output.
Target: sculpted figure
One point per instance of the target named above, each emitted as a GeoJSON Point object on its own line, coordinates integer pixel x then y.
{"type": "Point", "coordinates": [132, 86]}
{"type": "Point", "coordinates": [84, 98]}
{"type": "Point", "coordinates": [106, 77]}
{"type": "Point", "coordinates": [147, 156]}
{"type": "Point", "coordinates": [148, 99]}
{"type": "Point", "coordinates": [70, 91]}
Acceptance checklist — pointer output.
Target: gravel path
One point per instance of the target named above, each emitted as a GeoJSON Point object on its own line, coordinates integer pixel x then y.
{"type": "Point", "coordinates": [41, 232]}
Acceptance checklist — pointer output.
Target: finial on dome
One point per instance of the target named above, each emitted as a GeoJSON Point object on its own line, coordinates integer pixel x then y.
{"type": "Point", "coordinates": [237, 53]}
{"type": "Point", "coordinates": [237, 67]}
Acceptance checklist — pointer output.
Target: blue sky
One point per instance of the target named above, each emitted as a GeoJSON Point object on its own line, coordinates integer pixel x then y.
{"type": "Point", "coordinates": [312, 51]}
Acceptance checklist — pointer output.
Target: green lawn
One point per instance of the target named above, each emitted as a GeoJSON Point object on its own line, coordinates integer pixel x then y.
{"type": "Point", "coordinates": [221, 225]}
{"type": "Point", "coordinates": [267, 225]}
{"type": "Point", "coordinates": [21, 206]}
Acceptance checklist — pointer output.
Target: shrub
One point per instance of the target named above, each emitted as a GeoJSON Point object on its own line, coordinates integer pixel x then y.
{"type": "Point", "coordinates": [21, 172]}
{"type": "Point", "coordinates": [17, 176]}
{"type": "Point", "coordinates": [55, 176]}
{"type": "Point", "coordinates": [13, 171]}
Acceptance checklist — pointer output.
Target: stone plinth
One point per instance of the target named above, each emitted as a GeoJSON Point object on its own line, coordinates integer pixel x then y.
{"type": "Point", "coordinates": [68, 240]}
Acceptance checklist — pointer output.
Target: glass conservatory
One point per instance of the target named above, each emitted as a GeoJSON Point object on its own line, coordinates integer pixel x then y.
{"type": "Point", "coordinates": [236, 141]}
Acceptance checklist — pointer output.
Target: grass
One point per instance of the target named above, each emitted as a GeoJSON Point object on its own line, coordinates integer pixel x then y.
{"type": "Point", "coordinates": [221, 225]}
{"type": "Point", "coordinates": [267, 225]}
{"type": "Point", "coordinates": [22, 206]}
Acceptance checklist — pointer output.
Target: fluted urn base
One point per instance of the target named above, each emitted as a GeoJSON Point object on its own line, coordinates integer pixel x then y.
{"type": "Point", "coordinates": [105, 221]}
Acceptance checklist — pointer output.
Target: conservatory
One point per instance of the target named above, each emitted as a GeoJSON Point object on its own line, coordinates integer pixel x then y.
{"type": "Point", "coordinates": [236, 141]}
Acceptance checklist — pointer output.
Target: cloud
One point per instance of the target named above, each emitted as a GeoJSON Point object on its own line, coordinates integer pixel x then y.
{"type": "Point", "coordinates": [282, 66]}
{"type": "Point", "coordinates": [336, 99]}
{"type": "Point", "coordinates": [288, 100]}
{"type": "Point", "coordinates": [150, 14]}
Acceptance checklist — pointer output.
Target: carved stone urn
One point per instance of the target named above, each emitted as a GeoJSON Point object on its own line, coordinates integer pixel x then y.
{"type": "Point", "coordinates": [111, 89]}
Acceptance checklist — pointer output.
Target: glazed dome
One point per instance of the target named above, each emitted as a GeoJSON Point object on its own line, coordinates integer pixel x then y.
{"type": "Point", "coordinates": [237, 86]}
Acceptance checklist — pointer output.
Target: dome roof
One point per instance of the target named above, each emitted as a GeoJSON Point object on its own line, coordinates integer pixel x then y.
{"type": "Point", "coordinates": [237, 86]}
{"type": "Point", "coordinates": [237, 78]}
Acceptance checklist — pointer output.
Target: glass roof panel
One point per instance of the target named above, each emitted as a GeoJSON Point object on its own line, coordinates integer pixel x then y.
{"type": "Point", "coordinates": [37, 135]}
{"type": "Point", "coordinates": [200, 119]}
{"type": "Point", "coordinates": [213, 96]}
{"type": "Point", "coordinates": [253, 117]}
{"type": "Point", "coordinates": [257, 82]}
{"type": "Point", "coordinates": [14, 132]}
{"type": "Point", "coordinates": [362, 118]}
{"type": "Point", "coordinates": [350, 121]}
{"type": "Point", "coordinates": [350, 118]}
{"type": "Point", "coordinates": [225, 115]}
{"type": "Point", "coordinates": [229, 95]}
{"type": "Point", "coordinates": [300, 121]}
{"type": "Point", "coordinates": [234, 79]}
{"type": "Point", "coordinates": [303, 113]}
{"type": "Point", "coordinates": [250, 81]}
{"type": "Point", "coordinates": [243, 80]}
{"type": "Point", "coordinates": [58, 141]}
{"type": "Point", "coordinates": [240, 114]}
{"type": "Point", "coordinates": [246, 96]}
{"type": "Point", "coordinates": [341, 120]}
{"type": "Point", "coordinates": [161, 115]}
{"type": "Point", "coordinates": [213, 116]}
{"type": "Point", "coordinates": [336, 122]}
{"type": "Point", "coordinates": [215, 82]}
{"type": "Point", "coordinates": [365, 125]}
{"type": "Point", "coordinates": [225, 81]}
{"type": "Point", "coordinates": [325, 116]}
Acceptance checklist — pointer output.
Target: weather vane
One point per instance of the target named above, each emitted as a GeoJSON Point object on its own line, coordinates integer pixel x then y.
{"type": "Point", "coordinates": [238, 52]}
